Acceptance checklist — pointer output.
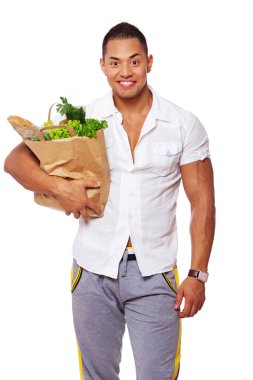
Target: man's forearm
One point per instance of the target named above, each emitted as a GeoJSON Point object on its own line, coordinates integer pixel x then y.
{"type": "Point", "coordinates": [199, 187]}
{"type": "Point", "coordinates": [24, 167]}
{"type": "Point", "coordinates": [202, 232]}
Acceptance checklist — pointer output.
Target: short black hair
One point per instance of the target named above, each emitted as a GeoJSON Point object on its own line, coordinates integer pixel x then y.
{"type": "Point", "coordinates": [124, 30]}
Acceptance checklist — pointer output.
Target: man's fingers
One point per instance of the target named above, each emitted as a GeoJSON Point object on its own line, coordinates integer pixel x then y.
{"type": "Point", "coordinates": [179, 300]}
{"type": "Point", "coordinates": [89, 203]}
{"type": "Point", "coordinates": [193, 293]}
{"type": "Point", "coordinates": [85, 214]}
{"type": "Point", "coordinates": [92, 184]}
{"type": "Point", "coordinates": [94, 207]}
{"type": "Point", "coordinates": [187, 310]}
{"type": "Point", "coordinates": [76, 214]}
{"type": "Point", "coordinates": [193, 311]}
{"type": "Point", "coordinates": [78, 204]}
{"type": "Point", "coordinates": [190, 309]}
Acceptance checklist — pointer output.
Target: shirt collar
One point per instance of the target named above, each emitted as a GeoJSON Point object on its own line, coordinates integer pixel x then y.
{"type": "Point", "coordinates": [158, 109]}
{"type": "Point", "coordinates": [108, 106]}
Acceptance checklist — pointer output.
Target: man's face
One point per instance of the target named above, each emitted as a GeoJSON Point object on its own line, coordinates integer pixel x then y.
{"type": "Point", "coordinates": [126, 65]}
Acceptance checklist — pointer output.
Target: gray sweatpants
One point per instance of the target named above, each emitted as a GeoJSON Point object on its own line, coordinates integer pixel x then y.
{"type": "Point", "coordinates": [101, 307]}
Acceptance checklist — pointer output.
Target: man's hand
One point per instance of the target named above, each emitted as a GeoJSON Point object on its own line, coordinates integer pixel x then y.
{"type": "Point", "coordinates": [24, 166]}
{"type": "Point", "coordinates": [72, 196]}
{"type": "Point", "coordinates": [193, 292]}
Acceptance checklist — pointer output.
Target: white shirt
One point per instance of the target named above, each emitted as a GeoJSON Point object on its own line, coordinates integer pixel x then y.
{"type": "Point", "coordinates": [143, 194]}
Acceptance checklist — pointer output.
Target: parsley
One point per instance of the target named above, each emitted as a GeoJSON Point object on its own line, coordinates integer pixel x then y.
{"type": "Point", "coordinates": [71, 112]}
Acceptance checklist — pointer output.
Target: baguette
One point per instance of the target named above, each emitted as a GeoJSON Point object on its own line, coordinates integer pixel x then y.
{"type": "Point", "coordinates": [24, 127]}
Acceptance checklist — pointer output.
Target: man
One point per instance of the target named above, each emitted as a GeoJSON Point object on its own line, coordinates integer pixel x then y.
{"type": "Point", "coordinates": [125, 261]}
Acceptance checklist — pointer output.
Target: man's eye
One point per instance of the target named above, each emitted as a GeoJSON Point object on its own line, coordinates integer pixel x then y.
{"type": "Point", "coordinates": [114, 63]}
{"type": "Point", "coordinates": [135, 62]}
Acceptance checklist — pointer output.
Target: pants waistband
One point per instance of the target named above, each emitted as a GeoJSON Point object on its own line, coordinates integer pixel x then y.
{"type": "Point", "coordinates": [129, 252]}
{"type": "Point", "coordinates": [130, 256]}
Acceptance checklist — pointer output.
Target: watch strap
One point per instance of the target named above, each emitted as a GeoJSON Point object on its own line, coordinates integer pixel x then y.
{"type": "Point", "coordinates": [199, 275]}
{"type": "Point", "coordinates": [193, 273]}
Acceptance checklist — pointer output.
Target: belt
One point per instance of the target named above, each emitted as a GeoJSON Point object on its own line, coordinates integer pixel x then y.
{"type": "Point", "coordinates": [130, 256]}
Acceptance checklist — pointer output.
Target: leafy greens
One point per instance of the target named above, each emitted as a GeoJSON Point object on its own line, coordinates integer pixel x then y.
{"type": "Point", "coordinates": [75, 119]}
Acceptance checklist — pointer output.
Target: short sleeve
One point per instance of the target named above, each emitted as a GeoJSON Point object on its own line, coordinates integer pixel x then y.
{"type": "Point", "coordinates": [195, 144]}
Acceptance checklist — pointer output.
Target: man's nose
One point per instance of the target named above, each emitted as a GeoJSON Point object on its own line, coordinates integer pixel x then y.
{"type": "Point", "coordinates": [126, 70]}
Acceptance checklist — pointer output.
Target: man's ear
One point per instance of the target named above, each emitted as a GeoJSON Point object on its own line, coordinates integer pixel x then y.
{"type": "Point", "coordinates": [150, 63]}
{"type": "Point", "coordinates": [102, 65]}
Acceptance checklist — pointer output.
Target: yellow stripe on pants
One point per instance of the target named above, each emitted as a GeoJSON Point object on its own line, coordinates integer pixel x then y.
{"type": "Point", "coordinates": [178, 353]}
{"type": "Point", "coordinates": [80, 359]}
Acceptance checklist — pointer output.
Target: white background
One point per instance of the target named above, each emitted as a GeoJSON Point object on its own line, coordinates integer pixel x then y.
{"type": "Point", "coordinates": [202, 62]}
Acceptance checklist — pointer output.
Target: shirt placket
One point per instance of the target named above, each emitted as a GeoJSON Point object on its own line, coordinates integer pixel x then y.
{"type": "Point", "coordinates": [124, 138]}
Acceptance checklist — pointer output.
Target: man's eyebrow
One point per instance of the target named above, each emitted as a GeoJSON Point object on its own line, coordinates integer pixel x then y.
{"type": "Point", "coordinates": [134, 55]}
{"type": "Point", "coordinates": [131, 56]}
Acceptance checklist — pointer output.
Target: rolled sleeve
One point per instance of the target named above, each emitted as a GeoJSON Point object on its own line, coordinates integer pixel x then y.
{"type": "Point", "coordinates": [196, 144]}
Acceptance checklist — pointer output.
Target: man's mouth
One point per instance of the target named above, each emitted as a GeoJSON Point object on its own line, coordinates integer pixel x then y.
{"type": "Point", "coordinates": [126, 83]}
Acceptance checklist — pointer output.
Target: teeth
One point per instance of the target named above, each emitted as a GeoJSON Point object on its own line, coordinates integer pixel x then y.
{"type": "Point", "coordinates": [126, 84]}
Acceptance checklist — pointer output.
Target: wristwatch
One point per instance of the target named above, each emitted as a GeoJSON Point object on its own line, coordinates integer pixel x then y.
{"type": "Point", "coordinates": [199, 275]}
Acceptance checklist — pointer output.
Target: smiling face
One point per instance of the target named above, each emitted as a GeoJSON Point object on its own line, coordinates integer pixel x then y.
{"type": "Point", "coordinates": [126, 65]}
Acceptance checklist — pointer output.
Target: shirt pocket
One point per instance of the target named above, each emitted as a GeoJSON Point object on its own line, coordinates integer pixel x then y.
{"type": "Point", "coordinates": [165, 157]}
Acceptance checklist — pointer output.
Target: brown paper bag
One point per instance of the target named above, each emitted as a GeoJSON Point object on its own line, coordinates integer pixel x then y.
{"type": "Point", "coordinates": [74, 158]}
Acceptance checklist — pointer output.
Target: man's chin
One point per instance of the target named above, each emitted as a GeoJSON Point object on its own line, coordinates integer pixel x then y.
{"type": "Point", "coordinates": [127, 94]}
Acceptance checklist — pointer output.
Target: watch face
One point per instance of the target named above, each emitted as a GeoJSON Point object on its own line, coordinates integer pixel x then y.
{"type": "Point", "coordinates": [203, 276]}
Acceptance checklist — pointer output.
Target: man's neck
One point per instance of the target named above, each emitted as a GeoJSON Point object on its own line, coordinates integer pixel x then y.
{"type": "Point", "coordinates": [135, 106]}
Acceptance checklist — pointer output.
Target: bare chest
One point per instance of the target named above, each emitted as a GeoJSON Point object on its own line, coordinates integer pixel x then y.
{"type": "Point", "coordinates": [133, 129]}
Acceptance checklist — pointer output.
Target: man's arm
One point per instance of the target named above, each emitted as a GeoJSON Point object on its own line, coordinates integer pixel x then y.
{"type": "Point", "coordinates": [24, 167]}
{"type": "Point", "coordinates": [198, 184]}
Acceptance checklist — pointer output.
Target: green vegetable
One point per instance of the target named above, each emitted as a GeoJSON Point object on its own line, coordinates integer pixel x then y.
{"type": "Point", "coordinates": [35, 138]}
{"type": "Point", "coordinates": [48, 123]}
{"type": "Point", "coordinates": [56, 134]}
{"type": "Point", "coordinates": [71, 112]}
{"type": "Point", "coordinates": [88, 129]}
{"type": "Point", "coordinates": [75, 119]}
